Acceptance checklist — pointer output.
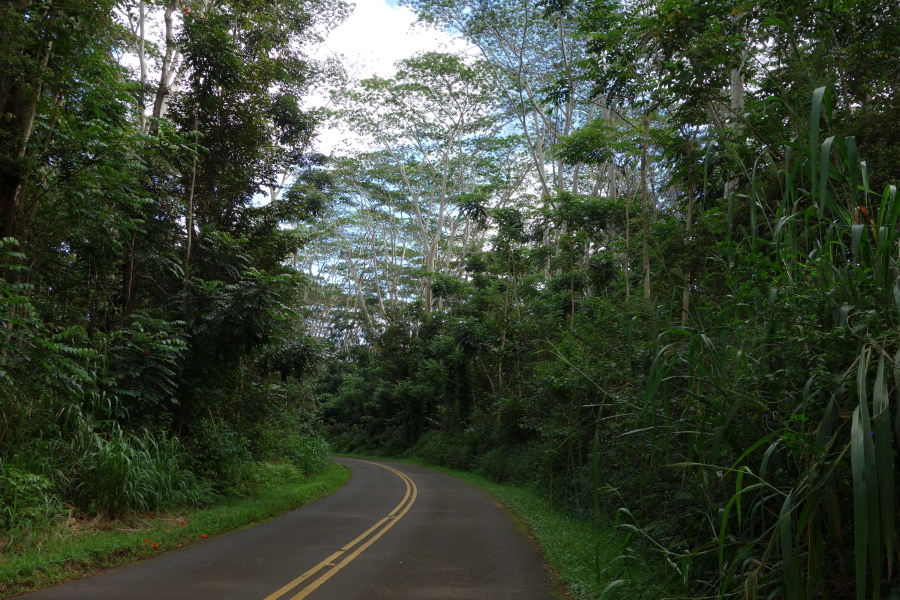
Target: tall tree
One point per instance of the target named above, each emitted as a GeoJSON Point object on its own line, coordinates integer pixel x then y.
{"type": "Point", "coordinates": [53, 55]}
{"type": "Point", "coordinates": [432, 122]}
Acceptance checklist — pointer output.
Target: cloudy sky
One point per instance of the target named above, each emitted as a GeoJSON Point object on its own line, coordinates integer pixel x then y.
{"type": "Point", "coordinates": [377, 34]}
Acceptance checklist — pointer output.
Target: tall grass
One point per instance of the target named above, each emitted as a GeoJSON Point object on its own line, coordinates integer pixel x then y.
{"type": "Point", "coordinates": [781, 397]}
{"type": "Point", "coordinates": [113, 472]}
{"type": "Point", "coordinates": [310, 454]}
{"type": "Point", "coordinates": [94, 467]}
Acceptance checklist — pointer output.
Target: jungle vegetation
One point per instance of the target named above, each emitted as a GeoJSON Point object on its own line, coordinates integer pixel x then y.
{"type": "Point", "coordinates": [150, 355]}
{"type": "Point", "coordinates": [639, 254]}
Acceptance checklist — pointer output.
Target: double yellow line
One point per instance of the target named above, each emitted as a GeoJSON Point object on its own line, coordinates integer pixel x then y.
{"type": "Point", "coordinates": [363, 542]}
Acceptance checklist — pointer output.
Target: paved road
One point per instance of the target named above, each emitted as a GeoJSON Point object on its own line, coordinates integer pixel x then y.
{"type": "Point", "coordinates": [393, 532]}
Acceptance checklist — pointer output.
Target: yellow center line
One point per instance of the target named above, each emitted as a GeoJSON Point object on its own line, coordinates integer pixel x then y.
{"type": "Point", "coordinates": [408, 499]}
{"type": "Point", "coordinates": [285, 589]}
{"type": "Point", "coordinates": [327, 575]}
{"type": "Point", "coordinates": [406, 480]}
{"type": "Point", "coordinates": [390, 514]}
{"type": "Point", "coordinates": [368, 531]}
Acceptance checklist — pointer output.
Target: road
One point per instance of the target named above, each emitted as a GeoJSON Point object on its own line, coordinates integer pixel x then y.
{"type": "Point", "coordinates": [392, 532]}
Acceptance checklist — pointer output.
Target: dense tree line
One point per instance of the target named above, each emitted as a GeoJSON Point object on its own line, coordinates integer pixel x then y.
{"type": "Point", "coordinates": [643, 255]}
{"type": "Point", "coordinates": [640, 254]}
{"type": "Point", "coordinates": [150, 351]}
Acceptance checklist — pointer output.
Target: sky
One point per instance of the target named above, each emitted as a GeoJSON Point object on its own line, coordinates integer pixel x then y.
{"type": "Point", "coordinates": [376, 35]}
{"type": "Point", "coordinates": [379, 32]}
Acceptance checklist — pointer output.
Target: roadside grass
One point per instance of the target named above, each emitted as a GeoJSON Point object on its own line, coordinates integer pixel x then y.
{"type": "Point", "coordinates": [74, 548]}
{"type": "Point", "coordinates": [589, 557]}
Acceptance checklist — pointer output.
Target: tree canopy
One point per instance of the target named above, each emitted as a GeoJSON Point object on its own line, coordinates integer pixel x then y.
{"type": "Point", "coordinates": [641, 254]}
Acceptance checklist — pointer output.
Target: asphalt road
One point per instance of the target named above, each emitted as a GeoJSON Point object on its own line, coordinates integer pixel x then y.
{"type": "Point", "coordinates": [393, 532]}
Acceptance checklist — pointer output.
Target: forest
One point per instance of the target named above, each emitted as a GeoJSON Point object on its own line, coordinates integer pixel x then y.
{"type": "Point", "coordinates": [640, 255]}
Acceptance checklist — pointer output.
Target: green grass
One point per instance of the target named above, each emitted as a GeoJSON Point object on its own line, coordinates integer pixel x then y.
{"type": "Point", "coordinates": [587, 556]}
{"type": "Point", "coordinates": [71, 550]}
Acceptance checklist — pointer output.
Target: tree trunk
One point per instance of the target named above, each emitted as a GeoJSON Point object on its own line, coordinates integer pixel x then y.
{"type": "Point", "coordinates": [737, 110]}
{"type": "Point", "coordinates": [686, 293]}
{"type": "Point", "coordinates": [129, 269]}
{"type": "Point", "coordinates": [190, 214]}
{"type": "Point", "coordinates": [20, 107]}
{"type": "Point", "coordinates": [169, 68]}
{"type": "Point", "coordinates": [645, 210]}
{"type": "Point", "coordinates": [629, 198]}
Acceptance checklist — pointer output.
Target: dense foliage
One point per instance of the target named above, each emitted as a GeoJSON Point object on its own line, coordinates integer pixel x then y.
{"type": "Point", "coordinates": [640, 254]}
{"type": "Point", "coordinates": [150, 352]}
{"type": "Point", "coordinates": [656, 277]}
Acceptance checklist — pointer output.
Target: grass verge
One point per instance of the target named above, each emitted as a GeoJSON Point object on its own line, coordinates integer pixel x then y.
{"type": "Point", "coordinates": [591, 559]}
{"type": "Point", "coordinates": [71, 550]}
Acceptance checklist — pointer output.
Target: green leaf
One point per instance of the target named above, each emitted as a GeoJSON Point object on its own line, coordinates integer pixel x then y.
{"type": "Point", "coordinates": [860, 500]}
{"type": "Point", "coordinates": [884, 460]}
{"type": "Point", "coordinates": [790, 560]}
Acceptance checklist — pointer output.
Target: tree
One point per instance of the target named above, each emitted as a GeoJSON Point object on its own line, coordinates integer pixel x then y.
{"type": "Point", "coordinates": [54, 56]}
{"type": "Point", "coordinates": [536, 64]}
{"type": "Point", "coordinates": [437, 164]}
{"type": "Point", "coordinates": [148, 279]}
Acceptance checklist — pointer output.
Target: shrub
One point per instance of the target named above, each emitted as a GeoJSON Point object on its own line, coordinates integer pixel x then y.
{"type": "Point", "coordinates": [26, 499]}
{"type": "Point", "coordinates": [310, 454]}
{"type": "Point", "coordinates": [219, 454]}
{"type": "Point", "coordinates": [113, 471]}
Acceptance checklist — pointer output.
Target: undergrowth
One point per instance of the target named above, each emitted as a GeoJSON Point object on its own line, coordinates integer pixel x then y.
{"type": "Point", "coordinates": [74, 547]}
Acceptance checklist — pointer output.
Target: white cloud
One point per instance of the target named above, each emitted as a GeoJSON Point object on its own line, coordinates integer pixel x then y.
{"type": "Point", "coordinates": [371, 40]}
{"type": "Point", "coordinates": [377, 34]}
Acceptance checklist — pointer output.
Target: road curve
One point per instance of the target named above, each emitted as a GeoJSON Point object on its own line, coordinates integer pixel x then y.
{"type": "Point", "coordinates": [393, 532]}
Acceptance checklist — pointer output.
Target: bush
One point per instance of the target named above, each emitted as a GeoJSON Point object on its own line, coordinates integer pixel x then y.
{"type": "Point", "coordinates": [261, 475]}
{"type": "Point", "coordinates": [521, 464]}
{"type": "Point", "coordinates": [26, 499]}
{"type": "Point", "coordinates": [113, 471]}
{"type": "Point", "coordinates": [219, 454]}
{"type": "Point", "coordinates": [310, 454]}
{"type": "Point", "coordinates": [444, 451]}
